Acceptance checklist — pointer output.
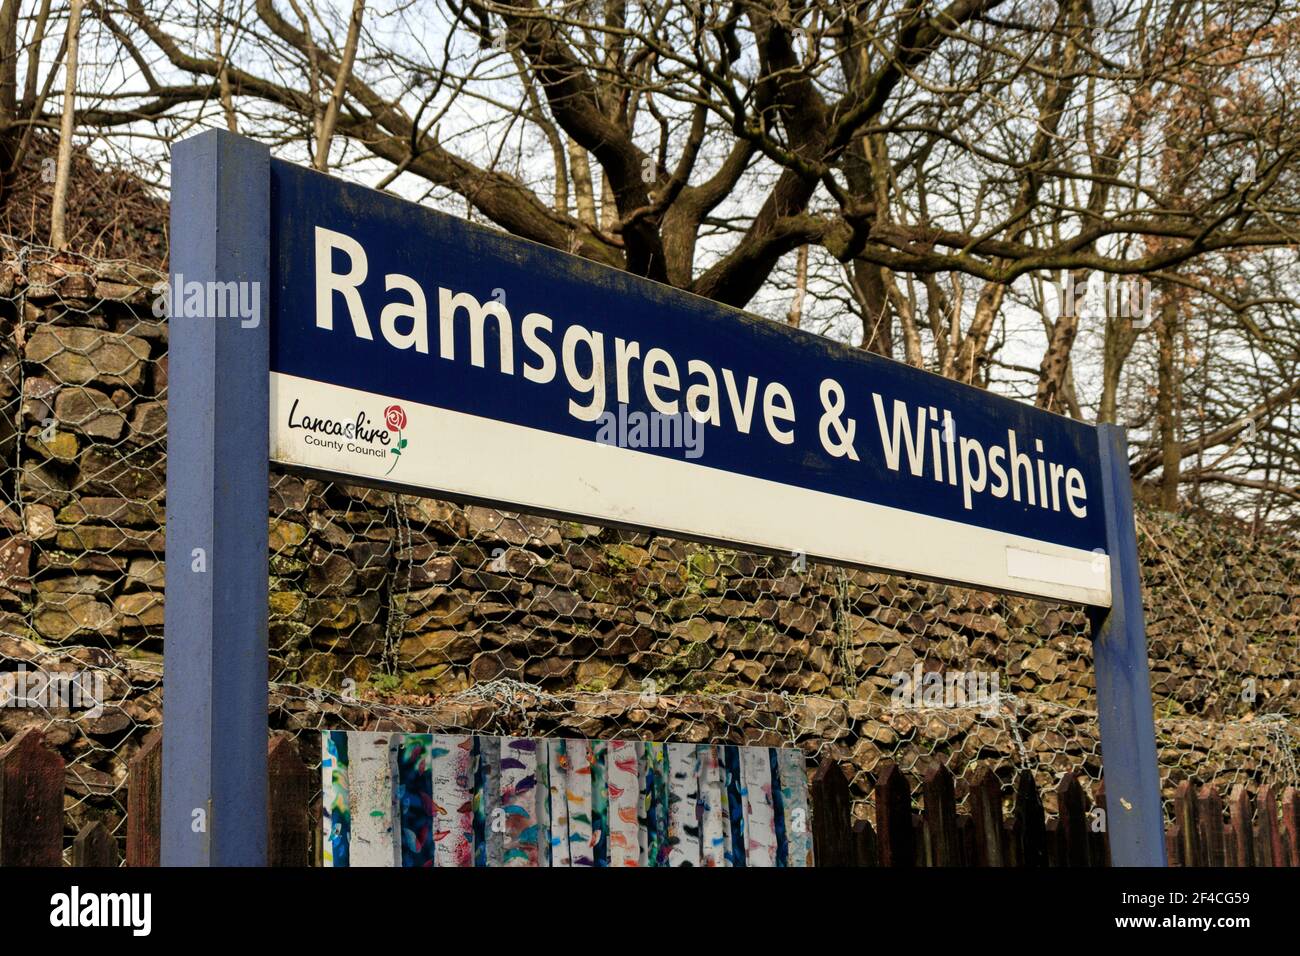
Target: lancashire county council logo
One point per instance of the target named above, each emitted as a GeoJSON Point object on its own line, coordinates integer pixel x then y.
{"type": "Point", "coordinates": [395, 419]}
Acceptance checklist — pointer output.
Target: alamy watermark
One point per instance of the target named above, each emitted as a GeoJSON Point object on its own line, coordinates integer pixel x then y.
{"type": "Point", "coordinates": [78, 908]}
{"type": "Point", "coordinates": [180, 299]}
{"type": "Point", "coordinates": [53, 690]}
{"type": "Point", "coordinates": [651, 430]}
{"type": "Point", "coordinates": [1108, 296]}
{"type": "Point", "coordinates": [945, 689]}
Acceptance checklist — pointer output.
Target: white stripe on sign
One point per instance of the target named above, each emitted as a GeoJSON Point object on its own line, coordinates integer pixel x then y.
{"type": "Point", "coordinates": [1055, 569]}
{"type": "Point", "coordinates": [464, 455]}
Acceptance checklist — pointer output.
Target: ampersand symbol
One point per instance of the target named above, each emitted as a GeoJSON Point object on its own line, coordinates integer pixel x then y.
{"type": "Point", "coordinates": [832, 396]}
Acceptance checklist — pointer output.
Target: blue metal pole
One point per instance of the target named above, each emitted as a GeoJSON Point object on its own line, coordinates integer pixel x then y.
{"type": "Point", "coordinates": [1135, 818]}
{"type": "Point", "coordinates": [214, 788]}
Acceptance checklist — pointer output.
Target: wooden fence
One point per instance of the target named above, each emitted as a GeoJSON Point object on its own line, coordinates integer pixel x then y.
{"type": "Point", "coordinates": [1264, 831]}
{"type": "Point", "coordinates": [1259, 832]}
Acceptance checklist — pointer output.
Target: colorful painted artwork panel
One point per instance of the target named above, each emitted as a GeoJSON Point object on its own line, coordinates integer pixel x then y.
{"type": "Point", "coordinates": [437, 800]}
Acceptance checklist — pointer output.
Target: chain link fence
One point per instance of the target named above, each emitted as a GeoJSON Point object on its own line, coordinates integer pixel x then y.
{"type": "Point", "coordinates": [394, 612]}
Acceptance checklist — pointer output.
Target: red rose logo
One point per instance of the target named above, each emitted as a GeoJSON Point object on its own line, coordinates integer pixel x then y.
{"type": "Point", "coordinates": [394, 418]}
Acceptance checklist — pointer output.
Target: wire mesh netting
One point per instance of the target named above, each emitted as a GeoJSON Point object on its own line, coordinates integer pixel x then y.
{"type": "Point", "coordinates": [407, 613]}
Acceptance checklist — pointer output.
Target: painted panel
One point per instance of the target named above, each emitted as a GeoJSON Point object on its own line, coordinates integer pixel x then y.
{"type": "Point", "coordinates": [451, 758]}
{"type": "Point", "coordinates": [373, 782]}
{"type": "Point", "coordinates": [623, 776]}
{"type": "Point", "coordinates": [419, 800]}
{"type": "Point", "coordinates": [517, 815]}
{"type": "Point", "coordinates": [336, 810]}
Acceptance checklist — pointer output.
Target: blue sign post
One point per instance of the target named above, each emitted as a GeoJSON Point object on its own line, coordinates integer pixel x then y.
{"type": "Point", "coordinates": [216, 609]}
{"type": "Point", "coordinates": [413, 351]}
{"type": "Point", "coordinates": [1135, 820]}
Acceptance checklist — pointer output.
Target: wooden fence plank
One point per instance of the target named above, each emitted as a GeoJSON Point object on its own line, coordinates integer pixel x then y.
{"type": "Point", "coordinates": [1029, 828]}
{"type": "Point", "coordinates": [1099, 827]}
{"type": "Point", "coordinates": [1012, 843]}
{"type": "Point", "coordinates": [1055, 842]}
{"type": "Point", "coordinates": [864, 843]}
{"type": "Point", "coordinates": [1240, 814]}
{"type": "Point", "coordinates": [832, 810]}
{"type": "Point", "coordinates": [792, 775]}
{"type": "Point", "coordinates": [144, 803]}
{"type": "Point", "coordinates": [1266, 829]}
{"type": "Point", "coordinates": [1209, 811]}
{"type": "Point", "coordinates": [486, 810]}
{"type": "Point", "coordinates": [683, 805]}
{"type": "Point", "coordinates": [625, 796]}
{"type": "Point", "coordinates": [376, 821]}
{"type": "Point", "coordinates": [986, 816]}
{"type": "Point", "coordinates": [581, 797]}
{"type": "Point", "coordinates": [94, 846]}
{"type": "Point", "coordinates": [600, 800]}
{"type": "Point", "coordinates": [517, 814]}
{"type": "Point", "coordinates": [923, 852]}
{"type": "Point", "coordinates": [453, 788]}
{"type": "Point", "coordinates": [760, 819]}
{"type": "Point", "coordinates": [412, 816]}
{"type": "Point", "coordinates": [31, 802]}
{"type": "Point", "coordinates": [1174, 845]}
{"type": "Point", "coordinates": [894, 818]}
{"type": "Point", "coordinates": [1229, 845]}
{"type": "Point", "coordinates": [941, 815]}
{"type": "Point", "coordinates": [713, 819]}
{"type": "Point", "coordinates": [1291, 826]}
{"type": "Point", "coordinates": [290, 817]}
{"type": "Point", "coordinates": [1073, 826]}
{"type": "Point", "coordinates": [1187, 819]}
{"type": "Point", "coordinates": [966, 840]}
{"type": "Point", "coordinates": [653, 822]}
{"type": "Point", "coordinates": [1268, 848]}
{"type": "Point", "coordinates": [335, 806]}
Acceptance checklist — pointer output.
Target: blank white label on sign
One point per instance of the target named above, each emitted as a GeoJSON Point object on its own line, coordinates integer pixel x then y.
{"type": "Point", "coordinates": [1092, 573]}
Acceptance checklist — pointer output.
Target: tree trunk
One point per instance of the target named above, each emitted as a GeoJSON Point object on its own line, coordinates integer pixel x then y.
{"type": "Point", "coordinates": [9, 131]}
{"type": "Point", "coordinates": [970, 361]}
{"type": "Point", "coordinates": [1167, 400]}
{"type": "Point", "coordinates": [1056, 360]}
{"type": "Point", "coordinates": [326, 132]}
{"type": "Point", "coordinates": [795, 315]}
{"type": "Point", "coordinates": [223, 80]}
{"type": "Point", "coordinates": [583, 194]}
{"type": "Point", "coordinates": [904, 307]}
{"type": "Point", "coordinates": [877, 322]}
{"type": "Point", "coordinates": [1112, 364]}
{"type": "Point", "coordinates": [58, 214]}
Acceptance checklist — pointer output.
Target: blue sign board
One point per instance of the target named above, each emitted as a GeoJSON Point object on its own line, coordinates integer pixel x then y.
{"type": "Point", "coordinates": [416, 349]}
